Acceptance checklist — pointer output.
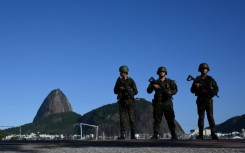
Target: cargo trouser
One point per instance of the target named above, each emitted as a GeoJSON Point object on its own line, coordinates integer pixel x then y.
{"type": "Point", "coordinates": [166, 108]}
{"type": "Point", "coordinates": [126, 107]}
{"type": "Point", "coordinates": [205, 104]}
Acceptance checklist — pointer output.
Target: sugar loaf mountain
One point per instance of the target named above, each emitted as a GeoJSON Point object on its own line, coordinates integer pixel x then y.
{"type": "Point", "coordinates": [55, 102]}
{"type": "Point", "coordinates": [55, 116]}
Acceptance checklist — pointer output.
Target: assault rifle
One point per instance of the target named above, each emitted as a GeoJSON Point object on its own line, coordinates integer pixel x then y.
{"type": "Point", "coordinates": [127, 88]}
{"type": "Point", "coordinates": [210, 89]}
{"type": "Point", "coordinates": [162, 88]}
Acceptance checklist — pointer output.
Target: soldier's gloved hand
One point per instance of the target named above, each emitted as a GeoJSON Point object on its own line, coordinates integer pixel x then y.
{"type": "Point", "coordinates": [122, 88]}
{"type": "Point", "coordinates": [169, 93]}
{"type": "Point", "coordinates": [156, 86]}
{"type": "Point", "coordinates": [204, 91]}
{"type": "Point", "coordinates": [198, 85]}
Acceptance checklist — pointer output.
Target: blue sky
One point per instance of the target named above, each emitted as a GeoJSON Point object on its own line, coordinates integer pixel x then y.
{"type": "Point", "coordinates": [78, 46]}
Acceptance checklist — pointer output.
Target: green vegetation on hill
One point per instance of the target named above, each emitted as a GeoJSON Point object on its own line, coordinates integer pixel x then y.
{"type": "Point", "coordinates": [236, 123]}
{"type": "Point", "coordinates": [106, 117]}
{"type": "Point", "coordinates": [61, 123]}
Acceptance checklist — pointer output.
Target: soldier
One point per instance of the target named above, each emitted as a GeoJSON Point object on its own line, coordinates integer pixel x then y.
{"type": "Point", "coordinates": [205, 87]}
{"type": "Point", "coordinates": [164, 89]}
{"type": "Point", "coordinates": [125, 88]}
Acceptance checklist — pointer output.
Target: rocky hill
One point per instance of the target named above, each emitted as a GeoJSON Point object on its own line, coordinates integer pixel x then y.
{"type": "Point", "coordinates": [107, 118]}
{"type": "Point", "coordinates": [61, 123]}
{"type": "Point", "coordinates": [55, 102]}
{"type": "Point", "coordinates": [236, 123]}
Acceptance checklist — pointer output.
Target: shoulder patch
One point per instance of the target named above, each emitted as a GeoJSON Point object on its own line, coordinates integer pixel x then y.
{"type": "Point", "coordinates": [210, 77]}
{"type": "Point", "coordinates": [171, 81]}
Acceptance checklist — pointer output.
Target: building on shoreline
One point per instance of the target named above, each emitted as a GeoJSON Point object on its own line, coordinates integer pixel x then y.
{"type": "Point", "coordinates": [207, 134]}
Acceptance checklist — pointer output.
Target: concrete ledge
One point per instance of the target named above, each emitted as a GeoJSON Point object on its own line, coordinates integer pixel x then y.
{"type": "Point", "coordinates": [132, 143]}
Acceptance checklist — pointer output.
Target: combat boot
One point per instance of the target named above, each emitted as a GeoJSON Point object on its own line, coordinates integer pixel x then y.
{"type": "Point", "coordinates": [155, 135]}
{"type": "Point", "coordinates": [200, 136]}
{"type": "Point", "coordinates": [122, 136]}
{"type": "Point", "coordinates": [133, 134]}
{"type": "Point", "coordinates": [214, 136]}
{"type": "Point", "coordinates": [174, 136]}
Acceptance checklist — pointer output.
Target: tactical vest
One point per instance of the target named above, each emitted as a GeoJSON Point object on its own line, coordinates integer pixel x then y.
{"type": "Point", "coordinates": [208, 82]}
{"type": "Point", "coordinates": [168, 84]}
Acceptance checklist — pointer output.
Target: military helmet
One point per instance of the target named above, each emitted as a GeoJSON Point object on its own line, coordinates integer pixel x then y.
{"type": "Point", "coordinates": [124, 69]}
{"type": "Point", "coordinates": [162, 69]}
{"type": "Point", "coordinates": [203, 66]}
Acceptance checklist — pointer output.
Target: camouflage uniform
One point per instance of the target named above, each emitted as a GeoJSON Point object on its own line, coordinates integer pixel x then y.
{"type": "Point", "coordinates": [126, 105]}
{"type": "Point", "coordinates": [205, 102]}
{"type": "Point", "coordinates": [162, 103]}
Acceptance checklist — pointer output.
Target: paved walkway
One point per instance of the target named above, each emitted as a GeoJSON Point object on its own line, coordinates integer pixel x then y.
{"type": "Point", "coordinates": [128, 146]}
{"type": "Point", "coordinates": [34, 149]}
